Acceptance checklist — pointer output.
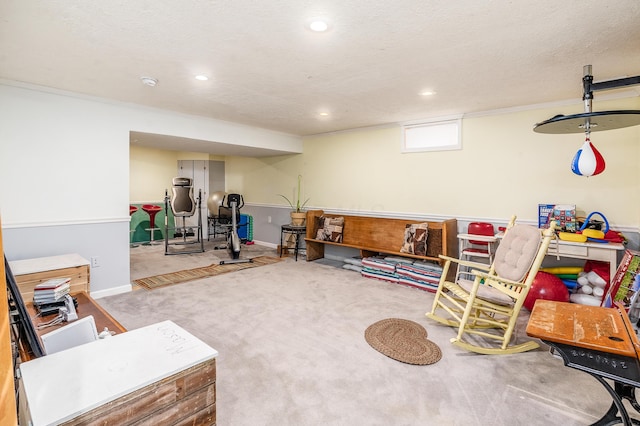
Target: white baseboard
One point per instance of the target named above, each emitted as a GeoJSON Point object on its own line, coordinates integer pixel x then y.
{"type": "Point", "coordinates": [266, 244]}
{"type": "Point", "coordinates": [112, 291]}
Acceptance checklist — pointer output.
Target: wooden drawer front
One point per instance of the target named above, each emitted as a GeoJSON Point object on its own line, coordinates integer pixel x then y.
{"type": "Point", "coordinates": [574, 251]}
{"type": "Point", "coordinates": [187, 397]}
{"type": "Point", "coordinates": [79, 280]}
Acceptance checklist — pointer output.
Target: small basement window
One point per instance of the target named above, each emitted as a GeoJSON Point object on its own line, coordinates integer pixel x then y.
{"type": "Point", "coordinates": [436, 135]}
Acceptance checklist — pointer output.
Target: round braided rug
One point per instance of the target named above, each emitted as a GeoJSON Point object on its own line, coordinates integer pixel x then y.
{"type": "Point", "coordinates": [403, 340]}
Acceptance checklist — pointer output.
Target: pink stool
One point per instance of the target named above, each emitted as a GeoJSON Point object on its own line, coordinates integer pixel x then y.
{"type": "Point", "coordinates": [151, 210]}
{"type": "Point", "coordinates": [132, 210]}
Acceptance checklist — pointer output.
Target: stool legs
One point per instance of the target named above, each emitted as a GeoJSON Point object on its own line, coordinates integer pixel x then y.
{"type": "Point", "coordinates": [151, 210]}
{"type": "Point", "coordinates": [152, 227]}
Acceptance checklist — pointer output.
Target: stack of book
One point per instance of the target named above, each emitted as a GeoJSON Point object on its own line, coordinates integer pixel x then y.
{"type": "Point", "coordinates": [51, 291]}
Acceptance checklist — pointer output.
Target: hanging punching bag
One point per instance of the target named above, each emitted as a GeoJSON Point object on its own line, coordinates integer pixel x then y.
{"type": "Point", "coordinates": [588, 161]}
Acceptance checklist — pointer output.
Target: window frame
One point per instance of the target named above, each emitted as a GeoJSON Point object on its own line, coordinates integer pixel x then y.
{"type": "Point", "coordinates": [454, 143]}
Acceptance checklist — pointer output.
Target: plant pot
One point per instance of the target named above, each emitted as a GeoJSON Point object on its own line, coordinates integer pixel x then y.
{"type": "Point", "coordinates": [298, 218]}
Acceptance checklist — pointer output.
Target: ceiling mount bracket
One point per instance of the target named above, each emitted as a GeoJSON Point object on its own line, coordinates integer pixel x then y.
{"type": "Point", "coordinates": [590, 121]}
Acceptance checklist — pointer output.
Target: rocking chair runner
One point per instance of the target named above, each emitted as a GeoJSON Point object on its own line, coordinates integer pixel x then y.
{"type": "Point", "coordinates": [488, 306]}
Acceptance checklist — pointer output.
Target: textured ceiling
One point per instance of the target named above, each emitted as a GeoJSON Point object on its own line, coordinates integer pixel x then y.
{"type": "Point", "coordinates": [267, 70]}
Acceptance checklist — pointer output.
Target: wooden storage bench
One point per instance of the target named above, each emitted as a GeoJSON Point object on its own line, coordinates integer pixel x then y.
{"type": "Point", "coordinates": [375, 235]}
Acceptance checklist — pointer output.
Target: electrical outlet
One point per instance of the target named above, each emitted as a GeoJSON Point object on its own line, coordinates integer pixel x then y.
{"type": "Point", "coordinates": [95, 262]}
{"type": "Point", "coordinates": [268, 219]}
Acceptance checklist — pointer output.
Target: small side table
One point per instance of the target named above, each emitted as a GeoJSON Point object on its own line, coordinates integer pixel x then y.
{"type": "Point", "coordinates": [296, 230]}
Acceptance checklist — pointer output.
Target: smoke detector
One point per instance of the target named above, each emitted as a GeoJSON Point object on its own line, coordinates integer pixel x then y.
{"type": "Point", "coordinates": [149, 81]}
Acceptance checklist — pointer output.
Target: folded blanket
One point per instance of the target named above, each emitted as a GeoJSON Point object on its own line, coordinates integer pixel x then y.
{"type": "Point", "coordinates": [416, 284]}
{"type": "Point", "coordinates": [398, 259]}
{"type": "Point", "coordinates": [377, 263]}
{"type": "Point", "coordinates": [379, 271]}
{"type": "Point", "coordinates": [369, 273]}
{"type": "Point", "coordinates": [420, 279]}
{"type": "Point", "coordinates": [429, 266]}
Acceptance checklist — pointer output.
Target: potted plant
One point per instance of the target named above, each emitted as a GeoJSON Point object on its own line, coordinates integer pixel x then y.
{"type": "Point", "coordinates": [298, 215]}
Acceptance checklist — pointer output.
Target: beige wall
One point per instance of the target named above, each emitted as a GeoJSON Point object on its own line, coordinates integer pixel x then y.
{"type": "Point", "coordinates": [503, 168]}
{"type": "Point", "coordinates": [152, 170]}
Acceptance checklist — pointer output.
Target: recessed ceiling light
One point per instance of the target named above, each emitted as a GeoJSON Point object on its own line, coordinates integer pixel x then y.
{"type": "Point", "coordinates": [202, 77]}
{"type": "Point", "coordinates": [323, 114]}
{"type": "Point", "coordinates": [149, 81]}
{"type": "Point", "coordinates": [318, 25]}
{"type": "Point", "coordinates": [427, 93]}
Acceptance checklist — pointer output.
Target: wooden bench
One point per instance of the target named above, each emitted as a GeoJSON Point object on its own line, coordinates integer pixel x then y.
{"type": "Point", "coordinates": [375, 235]}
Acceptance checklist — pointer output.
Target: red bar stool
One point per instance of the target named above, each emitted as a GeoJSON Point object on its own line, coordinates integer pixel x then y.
{"type": "Point", "coordinates": [132, 210]}
{"type": "Point", "coordinates": [151, 210]}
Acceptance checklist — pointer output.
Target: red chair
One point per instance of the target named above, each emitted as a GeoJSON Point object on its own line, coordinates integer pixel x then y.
{"type": "Point", "coordinates": [151, 210]}
{"type": "Point", "coordinates": [480, 248]}
{"type": "Point", "coordinates": [483, 248]}
{"type": "Point", "coordinates": [132, 210]}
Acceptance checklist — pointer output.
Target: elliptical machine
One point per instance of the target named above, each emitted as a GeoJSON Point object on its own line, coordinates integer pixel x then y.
{"type": "Point", "coordinates": [234, 203]}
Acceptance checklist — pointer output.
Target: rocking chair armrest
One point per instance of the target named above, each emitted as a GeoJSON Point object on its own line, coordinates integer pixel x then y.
{"type": "Point", "coordinates": [497, 278]}
{"type": "Point", "coordinates": [465, 262]}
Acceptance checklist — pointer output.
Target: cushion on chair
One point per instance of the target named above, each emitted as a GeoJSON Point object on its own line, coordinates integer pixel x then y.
{"type": "Point", "coordinates": [415, 239]}
{"type": "Point", "coordinates": [183, 203]}
{"type": "Point", "coordinates": [517, 251]}
{"type": "Point", "coordinates": [488, 293]}
{"type": "Point", "coordinates": [330, 228]}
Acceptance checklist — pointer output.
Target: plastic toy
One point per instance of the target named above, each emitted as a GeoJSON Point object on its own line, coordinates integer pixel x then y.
{"type": "Point", "coordinates": [595, 235]}
{"type": "Point", "coordinates": [548, 287]}
{"type": "Point", "coordinates": [591, 289]}
{"type": "Point", "coordinates": [570, 236]}
{"type": "Point", "coordinates": [563, 270]}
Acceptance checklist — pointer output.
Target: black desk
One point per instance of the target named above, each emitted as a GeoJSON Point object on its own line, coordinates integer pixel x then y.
{"type": "Point", "coordinates": [295, 230]}
{"type": "Point", "coordinates": [598, 341]}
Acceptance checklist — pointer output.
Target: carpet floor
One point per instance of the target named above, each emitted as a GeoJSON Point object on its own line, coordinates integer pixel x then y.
{"type": "Point", "coordinates": [293, 352]}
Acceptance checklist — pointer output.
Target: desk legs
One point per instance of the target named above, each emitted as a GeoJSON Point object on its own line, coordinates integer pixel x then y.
{"type": "Point", "coordinates": [621, 391]}
{"type": "Point", "coordinates": [622, 370]}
